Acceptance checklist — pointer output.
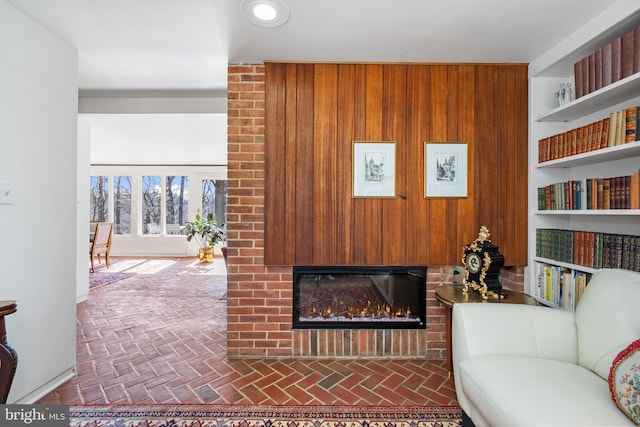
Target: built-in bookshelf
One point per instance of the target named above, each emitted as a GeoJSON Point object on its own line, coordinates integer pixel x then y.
{"type": "Point", "coordinates": [584, 191]}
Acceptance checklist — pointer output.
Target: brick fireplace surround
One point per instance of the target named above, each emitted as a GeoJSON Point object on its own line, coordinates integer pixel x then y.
{"type": "Point", "coordinates": [259, 297]}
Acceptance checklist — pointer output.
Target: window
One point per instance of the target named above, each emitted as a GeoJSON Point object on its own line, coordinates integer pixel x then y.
{"type": "Point", "coordinates": [214, 200]}
{"type": "Point", "coordinates": [146, 201]}
{"type": "Point", "coordinates": [99, 198]}
{"type": "Point", "coordinates": [121, 204]}
{"type": "Point", "coordinates": [177, 191]}
{"type": "Point", "coordinates": [151, 200]}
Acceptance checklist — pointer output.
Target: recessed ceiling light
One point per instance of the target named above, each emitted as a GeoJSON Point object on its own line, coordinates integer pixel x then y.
{"type": "Point", "coordinates": [265, 13]}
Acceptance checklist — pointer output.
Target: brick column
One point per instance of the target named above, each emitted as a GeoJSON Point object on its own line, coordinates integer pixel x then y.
{"type": "Point", "coordinates": [258, 297]}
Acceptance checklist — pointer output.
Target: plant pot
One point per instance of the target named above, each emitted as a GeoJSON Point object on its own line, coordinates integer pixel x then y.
{"type": "Point", "coordinates": [206, 254]}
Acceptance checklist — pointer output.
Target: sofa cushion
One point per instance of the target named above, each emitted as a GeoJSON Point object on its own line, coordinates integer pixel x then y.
{"type": "Point", "coordinates": [527, 391]}
{"type": "Point", "coordinates": [607, 318]}
{"type": "Point", "coordinates": [624, 381]}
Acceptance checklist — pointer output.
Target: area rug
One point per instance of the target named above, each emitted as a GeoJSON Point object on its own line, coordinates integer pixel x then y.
{"type": "Point", "coordinates": [102, 276]}
{"type": "Point", "coordinates": [263, 416]}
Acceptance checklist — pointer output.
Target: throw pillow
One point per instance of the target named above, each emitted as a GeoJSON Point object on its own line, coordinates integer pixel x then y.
{"type": "Point", "coordinates": [624, 381]}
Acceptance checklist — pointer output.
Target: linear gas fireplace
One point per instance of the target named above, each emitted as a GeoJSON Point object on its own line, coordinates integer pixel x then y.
{"type": "Point", "coordinates": [356, 297]}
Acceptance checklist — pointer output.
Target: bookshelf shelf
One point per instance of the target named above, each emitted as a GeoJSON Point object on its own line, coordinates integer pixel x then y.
{"type": "Point", "coordinates": [595, 101]}
{"type": "Point", "coordinates": [618, 152]}
{"type": "Point", "coordinates": [601, 237]}
{"type": "Point", "coordinates": [565, 264]}
{"type": "Point", "coordinates": [591, 212]}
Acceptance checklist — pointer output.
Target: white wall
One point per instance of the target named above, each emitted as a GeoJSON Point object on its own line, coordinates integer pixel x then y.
{"type": "Point", "coordinates": [158, 139]}
{"type": "Point", "coordinates": [82, 227]}
{"type": "Point", "coordinates": [38, 130]}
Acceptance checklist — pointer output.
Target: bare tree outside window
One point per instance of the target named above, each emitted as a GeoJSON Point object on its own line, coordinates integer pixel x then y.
{"type": "Point", "coordinates": [214, 200]}
{"type": "Point", "coordinates": [151, 198]}
{"type": "Point", "coordinates": [122, 204]}
{"type": "Point", "coordinates": [99, 199]}
{"type": "Point", "coordinates": [177, 192]}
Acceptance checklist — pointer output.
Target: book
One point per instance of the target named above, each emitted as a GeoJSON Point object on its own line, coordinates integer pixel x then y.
{"type": "Point", "coordinates": [599, 193]}
{"type": "Point", "coordinates": [606, 65]}
{"type": "Point", "coordinates": [604, 141]}
{"type": "Point", "coordinates": [577, 77]}
{"type": "Point", "coordinates": [620, 132]}
{"type": "Point", "coordinates": [585, 76]}
{"type": "Point", "coordinates": [591, 61]}
{"type": "Point", "coordinates": [598, 69]}
{"type": "Point", "coordinates": [613, 128]}
{"type": "Point", "coordinates": [627, 55]}
{"type": "Point", "coordinates": [634, 191]}
{"type": "Point", "coordinates": [636, 50]}
{"type": "Point", "coordinates": [631, 124]}
{"type": "Point", "coordinates": [616, 59]}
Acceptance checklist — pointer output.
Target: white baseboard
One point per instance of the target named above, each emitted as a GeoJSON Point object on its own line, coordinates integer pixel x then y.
{"type": "Point", "coordinates": [47, 388]}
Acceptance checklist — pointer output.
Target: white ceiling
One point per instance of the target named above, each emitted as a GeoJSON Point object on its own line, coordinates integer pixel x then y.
{"type": "Point", "coordinates": [187, 44]}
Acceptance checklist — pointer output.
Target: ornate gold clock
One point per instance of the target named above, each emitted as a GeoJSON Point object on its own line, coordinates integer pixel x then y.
{"type": "Point", "coordinates": [482, 263]}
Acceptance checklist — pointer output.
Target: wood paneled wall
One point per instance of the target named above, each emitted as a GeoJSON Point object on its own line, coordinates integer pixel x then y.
{"type": "Point", "coordinates": [314, 113]}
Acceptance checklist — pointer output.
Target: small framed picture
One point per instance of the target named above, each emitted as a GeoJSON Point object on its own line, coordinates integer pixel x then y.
{"type": "Point", "coordinates": [374, 169]}
{"type": "Point", "coordinates": [445, 169]}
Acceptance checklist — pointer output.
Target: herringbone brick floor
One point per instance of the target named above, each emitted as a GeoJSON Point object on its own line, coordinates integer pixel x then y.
{"type": "Point", "coordinates": [160, 337]}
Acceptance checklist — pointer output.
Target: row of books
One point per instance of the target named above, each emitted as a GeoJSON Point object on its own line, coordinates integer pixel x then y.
{"type": "Point", "coordinates": [619, 128]}
{"type": "Point", "coordinates": [620, 192]}
{"type": "Point", "coordinates": [589, 248]}
{"type": "Point", "coordinates": [560, 286]}
{"type": "Point", "coordinates": [612, 62]}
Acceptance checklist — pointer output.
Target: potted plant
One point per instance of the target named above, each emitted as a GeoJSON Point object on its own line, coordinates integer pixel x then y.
{"type": "Point", "coordinates": [207, 234]}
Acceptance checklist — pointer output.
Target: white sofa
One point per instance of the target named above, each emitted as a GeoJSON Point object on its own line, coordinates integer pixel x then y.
{"type": "Point", "coordinates": [522, 365]}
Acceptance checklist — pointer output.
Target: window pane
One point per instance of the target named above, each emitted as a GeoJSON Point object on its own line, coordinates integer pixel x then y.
{"type": "Point", "coordinates": [151, 204]}
{"type": "Point", "coordinates": [214, 200]}
{"type": "Point", "coordinates": [99, 199]}
{"type": "Point", "coordinates": [177, 203]}
{"type": "Point", "coordinates": [122, 204]}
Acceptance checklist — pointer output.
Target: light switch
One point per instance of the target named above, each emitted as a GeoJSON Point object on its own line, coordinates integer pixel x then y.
{"type": "Point", "coordinates": [6, 193]}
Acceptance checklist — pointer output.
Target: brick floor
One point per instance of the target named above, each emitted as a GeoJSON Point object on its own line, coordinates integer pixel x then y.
{"type": "Point", "coordinates": [160, 337]}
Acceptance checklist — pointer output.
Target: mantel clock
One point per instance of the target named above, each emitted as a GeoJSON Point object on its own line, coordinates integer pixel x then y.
{"type": "Point", "coordinates": [482, 263]}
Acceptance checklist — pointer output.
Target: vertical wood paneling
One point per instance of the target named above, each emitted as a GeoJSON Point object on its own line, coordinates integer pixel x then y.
{"type": "Point", "coordinates": [275, 165]}
{"type": "Point", "coordinates": [325, 190]}
{"type": "Point", "coordinates": [438, 233]}
{"type": "Point", "coordinates": [488, 155]}
{"type": "Point", "coordinates": [394, 211]}
{"type": "Point", "coordinates": [291, 153]}
{"type": "Point", "coordinates": [418, 125]}
{"type": "Point", "coordinates": [323, 108]}
{"type": "Point", "coordinates": [344, 159]}
{"type": "Point", "coordinates": [462, 105]}
{"type": "Point", "coordinates": [519, 223]}
{"type": "Point", "coordinates": [359, 220]}
{"type": "Point", "coordinates": [302, 165]}
{"type": "Point", "coordinates": [373, 219]}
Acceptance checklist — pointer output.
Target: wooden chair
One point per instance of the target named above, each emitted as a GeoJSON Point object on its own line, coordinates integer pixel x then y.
{"type": "Point", "coordinates": [101, 244]}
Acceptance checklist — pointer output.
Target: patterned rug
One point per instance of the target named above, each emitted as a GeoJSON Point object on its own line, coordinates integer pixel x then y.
{"type": "Point", "coordinates": [264, 416]}
{"type": "Point", "coordinates": [102, 276]}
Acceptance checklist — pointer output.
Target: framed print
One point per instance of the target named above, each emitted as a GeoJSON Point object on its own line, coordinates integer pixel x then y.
{"type": "Point", "coordinates": [445, 169]}
{"type": "Point", "coordinates": [374, 169]}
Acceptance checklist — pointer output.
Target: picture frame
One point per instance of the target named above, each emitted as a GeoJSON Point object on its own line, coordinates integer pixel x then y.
{"type": "Point", "coordinates": [374, 169]}
{"type": "Point", "coordinates": [445, 169]}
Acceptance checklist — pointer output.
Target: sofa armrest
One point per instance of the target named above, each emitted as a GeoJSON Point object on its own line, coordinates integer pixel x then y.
{"type": "Point", "coordinates": [513, 329]}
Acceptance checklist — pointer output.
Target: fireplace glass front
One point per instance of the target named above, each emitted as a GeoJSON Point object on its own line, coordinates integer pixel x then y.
{"type": "Point", "coordinates": [356, 297]}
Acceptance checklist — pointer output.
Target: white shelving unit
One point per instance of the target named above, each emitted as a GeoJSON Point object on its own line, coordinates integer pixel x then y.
{"type": "Point", "coordinates": [547, 119]}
